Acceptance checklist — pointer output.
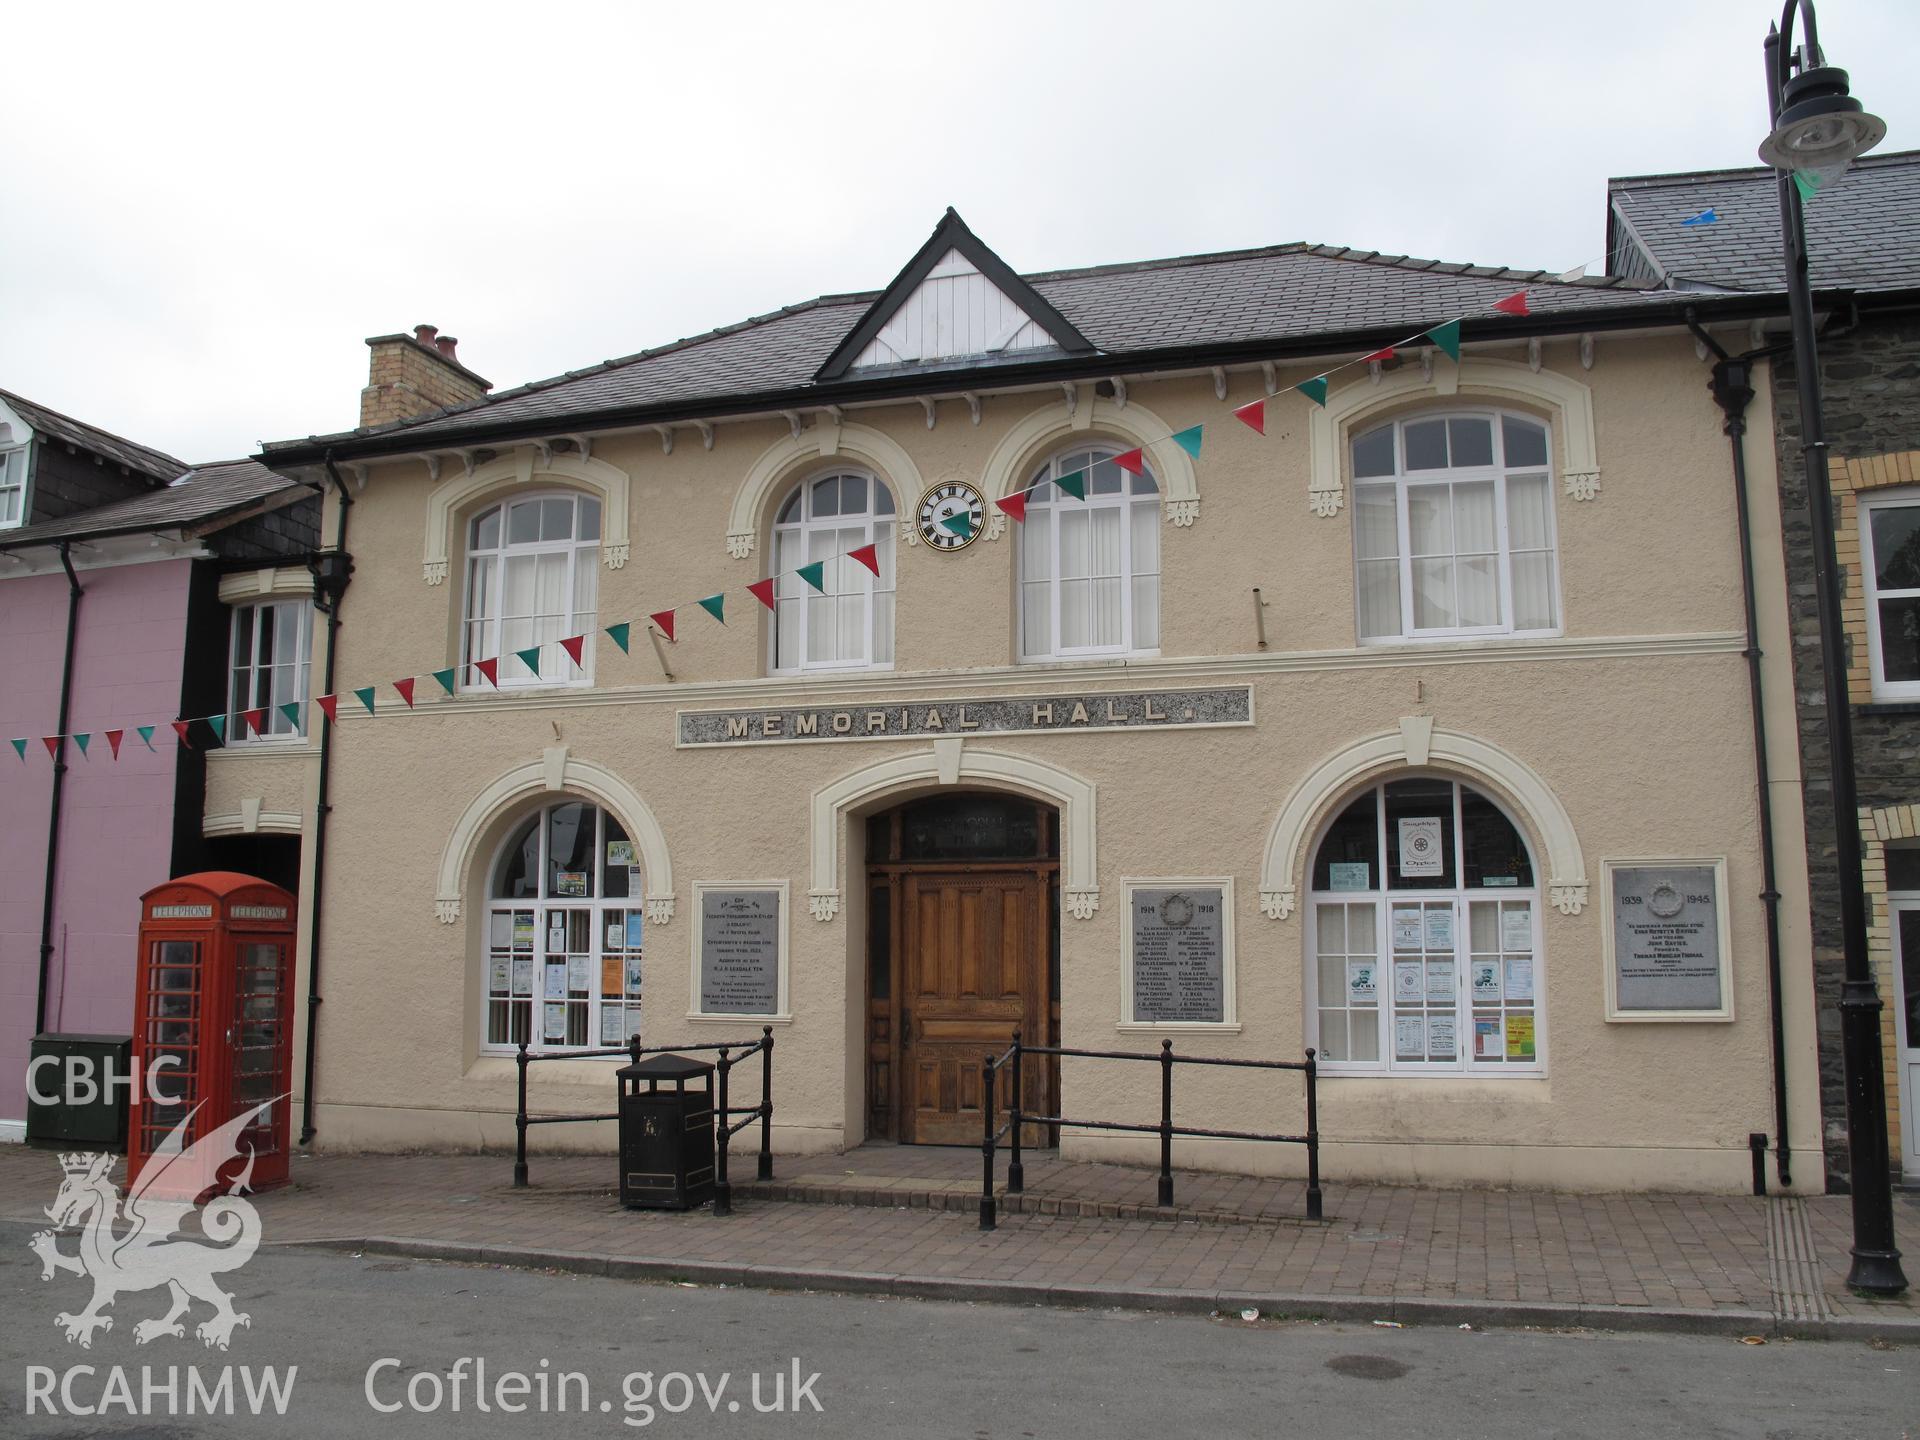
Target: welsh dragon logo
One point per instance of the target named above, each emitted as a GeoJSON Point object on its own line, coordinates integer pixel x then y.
{"type": "Point", "coordinates": [146, 1250]}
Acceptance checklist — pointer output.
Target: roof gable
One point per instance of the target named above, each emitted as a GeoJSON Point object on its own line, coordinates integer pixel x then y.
{"type": "Point", "coordinates": [955, 300]}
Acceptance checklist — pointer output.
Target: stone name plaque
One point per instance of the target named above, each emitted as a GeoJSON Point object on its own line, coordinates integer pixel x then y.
{"type": "Point", "coordinates": [1179, 956]}
{"type": "Point", "coordinates": [982, 715]}
{"type": "Point", "coordinates": [739, 952]}
{"type": "Point", "coordinates": [1666, 938]}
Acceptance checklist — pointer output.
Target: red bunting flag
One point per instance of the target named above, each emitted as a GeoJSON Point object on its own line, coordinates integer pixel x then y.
{"type": "Point", "coordinates": [330, 704]}
{"type": "Point", "coordinates": [1254, 416]}
{"type": "Point", "coordinates": [867, 555]}
{"type": "Point", "coordinates": [113, 741]}
{"type": "Point", "coordinates": [1514, 304]}
{"type": "Point", "coordinates": [180, 729]}
{"type": "Point", "coordinates": [1132, 461]}
{"type": "Point", "coordinates": [1382, 354]}
{"type": "Point", "coordinates": [1015, 505]}
{"type": "Point", "coordinates": [490, 669]}
{"type": "Point", "coordinates": [52, 742]}
{"type": "Point", "coordinates": [405, 687]}
{"type": "Point", "coordinates": [664, 619]}
{"type": "Point", "coordinates": [257, 719]}
{"type": "Point", "coordinates": [763, 591]}
{"type": "Point", "coordinates": [573, 645]}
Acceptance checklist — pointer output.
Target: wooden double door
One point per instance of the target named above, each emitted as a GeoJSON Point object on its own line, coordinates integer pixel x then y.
{"type": "Point", "coordinates": [963, 959]}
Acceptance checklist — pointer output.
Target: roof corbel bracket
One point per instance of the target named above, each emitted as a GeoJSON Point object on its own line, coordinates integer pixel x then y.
{"type": "Point", "coordinates": [1533, 354]}
{"type": "Point", "coordinates": [666, 438]}
{"type": "Point", "coordinates": [1700, 351]}
{"type": "Point", "coordinates": [1373, 371]}
{"type": "Point", "coordinates": [433, 465]}
{"type": "Point", "coordinates": [1270, 376]}
{"type": "Point", "coordinates": [583, 445]}
{"type": "Point", "coordinates": [794, 422]}
{"type": "Point", "coordinates": [359, 472]}
{"type": "Point", "coordinates": [927, 404]}
{"type": "Point", "coordinates": [1586, 352]}
{"type": "Point", "coordinates": [466, 461]}
{"type": "Point", "coordinates": [973, 404]}
{"type": "Point", "coordinates": [834, 413]}
{"type": "Point", "coordinates": [1072, 392]}
{"type": "Point", "coordinates": [1756, 336]}
{"type": "Point", "coordinates": [545, 447]}
{"type": "Point", "coordinates": [1426, 367]}
{"type": "Point", "coordinates": [1119, 391]}
{"type": "Point", "coordinates": [705, 428]}
{"type": "Point", "coordinates": [1219, 382]}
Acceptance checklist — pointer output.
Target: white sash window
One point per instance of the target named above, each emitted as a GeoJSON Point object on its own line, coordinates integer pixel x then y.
{"type": "Point", "coordinates": [533, 571]}
{"type": "Point", "coordinates": [1090, 569]}
{"type": "Point", "coordinates": [849, 626]}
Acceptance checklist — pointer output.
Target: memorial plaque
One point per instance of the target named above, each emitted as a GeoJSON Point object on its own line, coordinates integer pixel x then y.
{"type": "Point", "coordinates": [739, 952]}
{"type": "Point", "coordinates": [1666, 938]}
{"type": "Point", "coordinates": [1179, 955]}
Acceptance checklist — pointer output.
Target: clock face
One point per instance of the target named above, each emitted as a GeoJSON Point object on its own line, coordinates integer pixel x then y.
{"type": "Point", "coordinates": [942, 504]}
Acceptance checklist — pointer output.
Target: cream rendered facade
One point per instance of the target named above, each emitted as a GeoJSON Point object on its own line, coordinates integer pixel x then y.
{"type": "Point", "coordinates": [1626, 735]}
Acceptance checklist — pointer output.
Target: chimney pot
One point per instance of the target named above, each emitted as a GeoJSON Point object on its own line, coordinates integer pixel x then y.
{"type": "Point", "coordinates": [445, 344]}
{"type": "Point", "coordinates": [424, 334]}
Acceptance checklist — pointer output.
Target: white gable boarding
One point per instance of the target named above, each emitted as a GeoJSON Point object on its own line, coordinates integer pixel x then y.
{"type": "Point", "coordinates": [956, 311]}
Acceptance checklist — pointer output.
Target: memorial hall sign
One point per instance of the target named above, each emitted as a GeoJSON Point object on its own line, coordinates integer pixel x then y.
{"type": "Point", "coordinates": [980, 715]}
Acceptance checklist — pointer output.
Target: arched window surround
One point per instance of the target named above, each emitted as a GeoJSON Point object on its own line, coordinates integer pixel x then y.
{"type": "Point", "coordinates": [1090, 420]}
{"type": "Point", "coordinates": [820, 446]}
{"type": "Point", "coordinates": [451, 501]}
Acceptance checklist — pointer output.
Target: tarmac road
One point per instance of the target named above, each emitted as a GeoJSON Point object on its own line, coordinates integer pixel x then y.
{"type": "Point", "coordinates": [885, 1367]}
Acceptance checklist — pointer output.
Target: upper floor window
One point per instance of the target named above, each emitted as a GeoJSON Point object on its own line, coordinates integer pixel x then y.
{"type": "Point", "coordinates": [1890, 555]}
{"type": "Point", "coordinates": [849, 625]}
{"type": "Point", "coordinates": [1090, 569]}
{"type": "Point", "coordinates": [533, 572]}
{"type": "Point", "coordinates": [271, 652]}
{"type": "Point", "coordinates": [13, 486]}
{"type": "Point", "coordinates": [1453, 528]}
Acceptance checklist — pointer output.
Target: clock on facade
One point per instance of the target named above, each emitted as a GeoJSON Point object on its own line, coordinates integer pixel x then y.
{"type": "Point", "coordinates": [940, 507]}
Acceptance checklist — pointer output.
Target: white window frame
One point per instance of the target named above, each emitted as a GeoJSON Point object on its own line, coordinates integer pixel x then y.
{"type": "Point", "coordinates": [1382, 899]}
{"type": "Point", "coordinates": [1883, 689]}
{"type": "Point", "coordinates": [1056, 503]}
{"type": "Point", "coordinates": [278, 731]}
{"type": "Point", "coordinates": [14, 461]}
{"type": "Point", "coordinates": [842, 576]}
{"type": "Point", "coordinates": [556, 666]}
{"type": "Point", "coordinates": [1402, 481]}
{"type": "Point", "coordinates": [544, 906]}
{"type": "Point", "coordinates": [783, 1015]}
{"type": "Point", "coordinates": [1229, 1023]}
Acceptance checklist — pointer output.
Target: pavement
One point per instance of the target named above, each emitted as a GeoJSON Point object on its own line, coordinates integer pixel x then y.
{"type": "Point", "coordinates": [902, 1221]}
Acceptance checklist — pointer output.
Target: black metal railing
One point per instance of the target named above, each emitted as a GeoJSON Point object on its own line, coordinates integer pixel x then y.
{"type": "Point", "coordinates": [731, 1053]}
{"type": "Point", "coordinates": [1011, 1060]}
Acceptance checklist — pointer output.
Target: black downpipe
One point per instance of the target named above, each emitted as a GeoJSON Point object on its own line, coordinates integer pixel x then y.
{"type": "Point", "coordinates": [59, 784]}
{"type": "Point", "coordinates": [1732, 390]}
{"type": "Point", "coordinates": [329, 605]}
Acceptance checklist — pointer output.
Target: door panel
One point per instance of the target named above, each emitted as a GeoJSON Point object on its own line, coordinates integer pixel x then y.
{"type": "Point", "coordinates": [1906, 970]}
{"type": "Point", "coordinates": [973, 970]}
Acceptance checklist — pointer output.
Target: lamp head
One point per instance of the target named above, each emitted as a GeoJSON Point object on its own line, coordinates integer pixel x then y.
{"type": "Point", "coordinates": [1822, 129]}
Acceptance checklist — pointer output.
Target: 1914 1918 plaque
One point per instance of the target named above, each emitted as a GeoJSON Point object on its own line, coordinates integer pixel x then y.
{"type": "Point", "coordinates": [1179, 955]}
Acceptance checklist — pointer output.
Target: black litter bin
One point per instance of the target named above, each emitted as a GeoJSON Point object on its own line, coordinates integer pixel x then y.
{"type": "Point", "coordinates": [666, 1134]}
{"type": "Point", "coordinates": [87, 1078]}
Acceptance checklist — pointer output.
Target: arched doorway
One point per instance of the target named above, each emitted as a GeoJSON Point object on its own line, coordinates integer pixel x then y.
{"type": "Point", "coordinates": [963, 948]}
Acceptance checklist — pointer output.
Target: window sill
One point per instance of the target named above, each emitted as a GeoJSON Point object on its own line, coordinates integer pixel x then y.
{"type": "Point", "coordinates": [1084, 662]}
{"type": "Point", "coordinates": [816, 672]}
{"type": "Point", "coordinates": [261, 749]}
{"type": "Point", "coordinates": [1326, 1071]}
{"type": "Point", "coordinates": [1889, 707]}
{"type": "Point", "coordinates": [1462, 639]}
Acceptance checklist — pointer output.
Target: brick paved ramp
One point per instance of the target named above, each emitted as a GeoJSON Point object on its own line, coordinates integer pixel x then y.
{"type": "Point", "coordinates": [1728, 1264]}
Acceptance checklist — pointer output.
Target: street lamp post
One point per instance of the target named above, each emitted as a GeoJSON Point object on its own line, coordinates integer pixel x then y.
{"type": "Point", "coordinates": [1818, 129]}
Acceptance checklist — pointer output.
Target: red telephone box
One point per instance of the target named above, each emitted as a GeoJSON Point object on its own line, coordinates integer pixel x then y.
{"type": "Point", "coordinates": [213, 1005]}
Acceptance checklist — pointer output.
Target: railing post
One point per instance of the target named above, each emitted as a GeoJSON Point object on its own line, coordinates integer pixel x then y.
{"type": "Point", "coordinates": [633, 1049]}
{"type": "Point", "coordinates": [1166, 1123]}
{"type": "Point", "coordinates": [722, 1191]}
{"type": "Point", "coordinates": [520, 1124]}
{"type": "Point", "coordinates": [766, 1102]}
{"type": "Point", "coordinates": [988, 1219]}
{"type": "Point", "coordinates": [1313, 1138]}
{"type": "Point", "coordinates": [1016, 1172]}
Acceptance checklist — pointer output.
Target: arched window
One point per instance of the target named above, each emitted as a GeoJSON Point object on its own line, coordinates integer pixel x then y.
{"type": "Point", "coordinates": [565, 922]}
{"type": "Point", "coordinates": [849, 626]}
{"type": "Point", "coordinates": [1425, 936]}
{"type": "Point", "coordinates": [1090, 569]}
{"type": "Point", "coordinates": [533, 572]}
{"type": "Point", "coordinates": [1453, 528]}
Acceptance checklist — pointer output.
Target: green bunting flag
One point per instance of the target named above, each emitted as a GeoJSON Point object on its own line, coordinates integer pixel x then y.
{"type": "Point", "coordinates": [716, 606]}
{"type": "Point", "coordinates": [443, 677]}
{"type": "Point", "coordinates": [961, 524]}
{"type": "Point", "coordinates": [1807, 185]}
{"type": "Point", "coordinates": [1074, 484]}
{"type": "Point", "coordinates": [19, 748]}
{"type": "Point", "coordinates": [1447, 337]}
{"type": "Point", "coordinates": [618, 634]}
{"type": "Point", "coordinates": [1314, 389]}
{"type": "Point", "coordinates": [530, 658]}
{"type": "Point", "coordinates": [145, 732]}
{"type": "Point", "coordinates": [83, 741]}
{"type": "Point", "coordinates": [292, 711]}
{"type": "Point", "coordinates": [1188, 440]}
{"type": "Point", "coordinates": [365, 697]}
{"type": "Point", "coordinates": [815, 575]}
{"type": "Point", "coordinates": [218, 724]}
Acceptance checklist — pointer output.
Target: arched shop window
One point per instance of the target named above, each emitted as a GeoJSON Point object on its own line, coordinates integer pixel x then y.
{"type": "Point", "coordinates": [564, 933]}
{"type": "Point", "coordinates": [1425, 936]}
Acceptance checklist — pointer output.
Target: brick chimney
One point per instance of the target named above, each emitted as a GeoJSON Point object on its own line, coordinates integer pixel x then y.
{"type": "Point", "coordinates": [412, 374]}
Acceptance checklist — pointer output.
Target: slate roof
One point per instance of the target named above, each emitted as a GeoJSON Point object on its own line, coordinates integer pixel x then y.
{"type": "Point", "coordinates": [1863, 231]}
{"type": "Point", "coordinates": [209, 492]}
{"type": "Point", "coordinates": [158, 466]}
{"type": "Point", "coordinates": [1130, 312]}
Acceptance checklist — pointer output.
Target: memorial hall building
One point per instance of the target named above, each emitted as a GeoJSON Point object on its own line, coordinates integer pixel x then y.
{"type": "Point", "coordinates": [1231, 650]}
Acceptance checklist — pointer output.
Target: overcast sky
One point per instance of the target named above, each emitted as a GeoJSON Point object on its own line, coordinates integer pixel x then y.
{"type": "Point", "coordinates": [208, 209]}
